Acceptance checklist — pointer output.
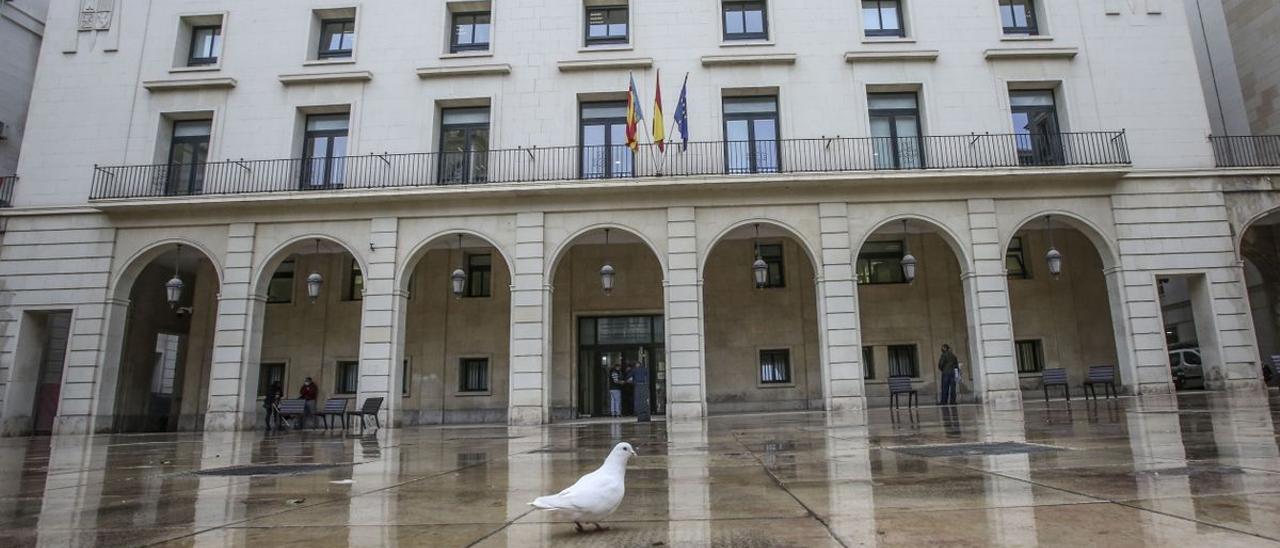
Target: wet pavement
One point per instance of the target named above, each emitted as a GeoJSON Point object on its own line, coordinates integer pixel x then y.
{"type": "Point", "coordinates": [1200, 469]}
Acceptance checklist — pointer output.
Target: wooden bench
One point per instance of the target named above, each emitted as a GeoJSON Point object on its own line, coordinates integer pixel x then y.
{"type": "Point", "coordinates": [902, 385]}
{"type": "Point", "coordinates": [1104, 375]}
{"type": "Point", "coordinates": [370, 408]}
{"type": "Point", "coordinates": [335, 407]}
{"type": "Point", "coordinates": [1054, 377]}
{"type": "Point", "coordinates": [291, 409]}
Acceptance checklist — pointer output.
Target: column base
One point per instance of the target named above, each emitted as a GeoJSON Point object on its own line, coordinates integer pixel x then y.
{"type": "Point", "coordinates": [227, 421]}
{"type": "Point", "coordinates": [526, 416]}
{"type": "Point", "coordinates": [12, 427]}
{"type": "Point", "coordinates": [74, 425]}
{"type": "Point", "coordinates": [683, 411]}
{"type": "Point", "coordinates": [840, 404]}
{"type": "Point", "coordinates": [1154, 388]}
{"type": "Point", "coordinates": [1002, 400]}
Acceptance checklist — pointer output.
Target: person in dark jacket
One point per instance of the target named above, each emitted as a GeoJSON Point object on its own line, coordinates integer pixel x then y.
{"type": "Point", "coordinates": [949, 368]}
{"type": "Point", "coordinates": [615, 390]}
{"type": "Point", "coordinates": [274, 394]}
{"type": "Point", "coordinates": [308, 393]}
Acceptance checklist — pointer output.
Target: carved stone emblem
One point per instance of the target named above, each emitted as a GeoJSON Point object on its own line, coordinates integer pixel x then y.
{"type": "Point", "coordinates": [96, 14]}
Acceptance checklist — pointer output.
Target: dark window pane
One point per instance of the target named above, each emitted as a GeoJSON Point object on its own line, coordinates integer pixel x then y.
{"type": "Point", "coordinates": [206, 45]}
{"type": "Point", "coordinates": [337, 38]}
{"type": "Point", "coordinates": [902, 361]}
{"type": "Point", "coordinates": [280, 289]}
{"type": "Point", "coordinates": [881, 263]}
{"type": "Point", "coordinates": [355, 282]}
{"type": "Point", "coordinates": [775, 366]}
{"type": "Point", "coordinates": [470, 32]}
{"type": "Point", "coordinates": [868, 362]}
{"type": "Point", "coordinates": [464, 145]}
{"type": "Point", "coordinates": [269, 373]}
{"type": "Point", "coordinates": [772, 256]}
{"type": "Point", "coordinates": [479, 270]}
{"type": "Point", "coordinates": [1030, 356]}
{"type": "Point", "coordinates": [473, 375]}
{"type": "Point", "coordinates": [751, 134]}
{"type": "Point", "coordinates": [1015, 260]}
{"type": "Point", "coordinates": [348, 381]}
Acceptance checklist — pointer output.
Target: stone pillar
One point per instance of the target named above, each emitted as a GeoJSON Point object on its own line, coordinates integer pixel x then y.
{"type": "Point", "coordinates": [233, 373]}
{"type": "Point", "coordinates": [530, 317]}
{"type": "Point", "coordinates": [686, 376]}
{"type": "Point", "coordinates": [995, 370]}
{"type": "Point", "coordinates": [113, 317]}
{"type": "Point", "coordinates": [842, 386]}
{"type": "Point", "coordinates": [1145, 324]}
{"type": "Point", "coordinates": [379, 368]}
{"type": "Point", "coordinates": [1127, 365]}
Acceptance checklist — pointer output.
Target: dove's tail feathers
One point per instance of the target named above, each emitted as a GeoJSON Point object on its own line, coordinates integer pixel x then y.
{"type": "Point", "coordinates": [546, 503]}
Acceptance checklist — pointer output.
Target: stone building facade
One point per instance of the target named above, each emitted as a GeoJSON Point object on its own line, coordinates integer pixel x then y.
{"type": "Point", "coordinates": [418, 141]}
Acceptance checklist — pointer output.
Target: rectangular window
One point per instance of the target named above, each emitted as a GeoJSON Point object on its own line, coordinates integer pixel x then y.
{"type": "Point", "coordinates": [882, 18]}
{"type": "Point", "coordinates": [603, 136]}
{"type": "Point", "coordinates": [751, 134]}
{"type": "Point", "coordinates": [868, 362]}
{"type": "Point", "coordinates": [280, 290]}
{"type": "Point", "coordinates": [473, 375]}
{"type": "Point", "coordinates": [464, 145]}
{"type": "Point", "coordinates": [775, 366]}
{"type": "Point", "coordinates": [1030, 356]}
{"type": "Point", "coordinates": [479, 269]}
{"type": "Point", "coordinates": [606, 25]}
{"type": "Point", "coordinates": [337, 38]}
{"type": "Point", "coordinates": [895, 130]}
{"type": "Point", "coordinates": [1019, 17]}
{"type": "Point", "coordinates": [881, 263]}
{"type": "Point", "coordinates": [206, 45]}
{"type": "Point", "coordinates": [745, 20]}
{"type": "Point", "coordinates": [324, 151]}
{"type": "Point", "coordinates": [188, 155]}
{"type": "Point", "coordinates": [902, 361]}
{"type": "Point", "coordinates": [470, 32]}
{"type": "Point", "coordinates": [355, 281]}
{"type": "Point", "coordinates": [269, 373]}
{"type": "Point", "coordinates": [771, 254]}
{"type": "Point", "coordinates": [1015, 260]}
{"type": "Point", "coordinates": [1035, 127]}
{"type": "Point", "coordinates": [348, 381]}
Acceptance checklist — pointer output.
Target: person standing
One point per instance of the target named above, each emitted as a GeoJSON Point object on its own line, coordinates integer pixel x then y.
{"type": "Point", "coordinates": [615, 390]}
{"type": "Point", "coordinates": [308, 393]}
{"type": "Point", "coordinates": [274, 394]}
{"type": "Point", "coordinates": [949, 368]}
{"type": "Point", "coordinates": [639, 379]}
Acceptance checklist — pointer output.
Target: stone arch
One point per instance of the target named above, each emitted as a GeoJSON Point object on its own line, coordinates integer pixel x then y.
{"type": "Point", "coordinates": [272, 259]}
{"type": "Point", "coordinates": [1107, 250]}
{"type": "Point", "coordinates": [558, 253]}
{"type": "Point", "coordinates": [811, 251]}
{"type": "Point", "coordinates": [123, 280]}
{"type": "Point", "coordinates": [953, 240]}
{"type": "Point", "coordinates": [419, 250]}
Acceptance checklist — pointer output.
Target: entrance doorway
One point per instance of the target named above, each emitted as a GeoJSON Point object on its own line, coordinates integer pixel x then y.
{"type": "Point", "coordinates": [606, 341]}
{"type": "Point", "coordinates": [1187, 309]}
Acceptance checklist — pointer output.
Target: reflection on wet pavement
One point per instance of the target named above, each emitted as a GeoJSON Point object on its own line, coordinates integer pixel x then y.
{"type": "Point", "coordinates": [1199, 469]}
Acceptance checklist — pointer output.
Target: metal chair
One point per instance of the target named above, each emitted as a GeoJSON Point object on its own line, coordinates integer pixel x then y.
{"type": "Point", "coordinates": [288, 410]}
{"type": "Point", "coordinates": [335, 407]}
{"type": "Point", "coordinates": [1054, 377]}
{"type": "Point", "coordinates": [370, 408]}
{"type": "Point", "coordinates": [902, 385]}
{"type": "Point", "coordinates": [1104, 375]}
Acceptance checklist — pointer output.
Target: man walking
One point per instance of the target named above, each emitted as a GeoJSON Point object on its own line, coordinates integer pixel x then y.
{"type": "Point", "coordinates": [949, 368]}
{"type": "Point", "coordinates": [615, 390]}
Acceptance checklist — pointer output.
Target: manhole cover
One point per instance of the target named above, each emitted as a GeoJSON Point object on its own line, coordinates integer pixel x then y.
{"type": "Point", "coordinates": [974, 449]}
{"type": "Point", "coordinates": [266, 470]}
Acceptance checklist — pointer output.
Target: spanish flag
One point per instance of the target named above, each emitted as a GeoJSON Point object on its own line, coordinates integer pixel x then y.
{"type": "Point", "coordinates": [659, 129]}
{"type": "Point", "coordinates": [635, 114]}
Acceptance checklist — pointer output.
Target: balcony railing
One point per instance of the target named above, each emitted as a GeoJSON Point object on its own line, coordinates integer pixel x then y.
{"type": "Point", "coordinates": [6, 190]}
{"type": "Point", "coordinates": [1246, 150]}
{"type": "Point", "coordinates": [837, 154]}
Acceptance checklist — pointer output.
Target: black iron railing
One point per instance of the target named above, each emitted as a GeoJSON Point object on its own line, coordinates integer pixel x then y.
{"type": "Point", "coordinates": [1246, 150]}
{"type": "Point", "coordinates": [6, 190]}
{"type": "Point", "coordinates": [613, 162]}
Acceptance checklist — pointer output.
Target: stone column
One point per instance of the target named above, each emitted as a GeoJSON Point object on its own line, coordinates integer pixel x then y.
{"type": "Point", "coordinates": [995, 371]}
{"type": "Point", "coordinates": [379, 377]}
{"type": "Point", "coordinates": [686, 376]}
{"type": "Point", "coordinates": [530, 316]}
{"type": "Point", "coordinates": [1127, 365]}
{"type": "Point", "coordinates": [233, 373]}
{"type": "Point", "coordinates": [842, 375]}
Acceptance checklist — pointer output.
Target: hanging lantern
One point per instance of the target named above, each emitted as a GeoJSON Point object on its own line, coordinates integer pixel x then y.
{"type": "Point", "coordinates": [606, 278]}
{"type": "Point", "coordinates": [908, 260]}
{"type": "Point", "coordinates": [759, 268]}
{"type": "Point", "coordinates": [1053, 257]}
{"type": "Point", "coordinates": [607, 273]}
{"type": "Point", "coordinates": [315, 281]}
{"type": "Point", "coordinates": [458, 280]}
{"type": "Point", "coordinates": [173, 288]}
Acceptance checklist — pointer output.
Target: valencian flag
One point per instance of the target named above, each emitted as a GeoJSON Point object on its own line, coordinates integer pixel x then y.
{"type": "Point", "coordinates": [635, 115]}
{"type": "Point", "coordinates": [682, 115]}
{"type": "Point", "coordinates": [659, 127]}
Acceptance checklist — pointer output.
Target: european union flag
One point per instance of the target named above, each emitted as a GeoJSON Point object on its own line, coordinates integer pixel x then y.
{"type": "Point", "coordinates": [682, 115]}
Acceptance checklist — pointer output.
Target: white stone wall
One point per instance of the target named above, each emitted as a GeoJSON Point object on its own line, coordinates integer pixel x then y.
{"type": "Point", "coordinates": [21, 29]}
{"type": "Point", "coordinates": [1130, 70]}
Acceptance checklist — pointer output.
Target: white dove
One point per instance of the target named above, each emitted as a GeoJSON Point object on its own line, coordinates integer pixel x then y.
{"type": "Point", "coordinates": [594, 496]}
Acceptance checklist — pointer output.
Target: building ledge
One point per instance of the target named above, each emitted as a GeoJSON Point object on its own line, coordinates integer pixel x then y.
{"type": "Point", "coordinates": [326, 77]}
{"type": "Point", "coordinates": [996, 54]}
{"type": "Point", "coordinates": [749, 59]}
{"type": "Point", "coordinates": [492, 69]}
{"type": "Point", "coordinates": [927, 55]}
{"type": "Point", "coordinates": [606, 64]}
{"type": "Point", "coordinates": [180, 84]}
